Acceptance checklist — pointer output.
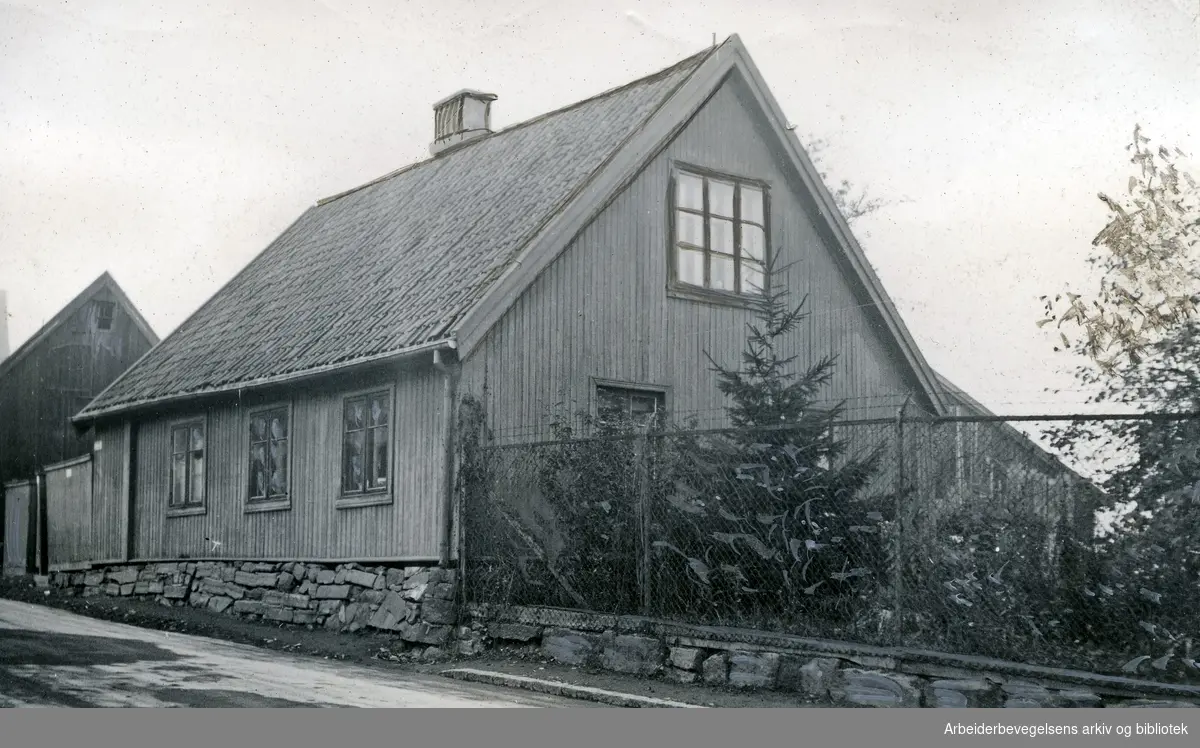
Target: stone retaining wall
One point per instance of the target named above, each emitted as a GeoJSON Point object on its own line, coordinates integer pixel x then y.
{"type": "Point", "coordinates": [847, 680]}
{"type": "Point", "coordinates": [418, 603]}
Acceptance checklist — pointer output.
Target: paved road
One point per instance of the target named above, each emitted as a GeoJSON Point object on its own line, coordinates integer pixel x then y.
{"type": "Point", "coordinates": [50, 657]}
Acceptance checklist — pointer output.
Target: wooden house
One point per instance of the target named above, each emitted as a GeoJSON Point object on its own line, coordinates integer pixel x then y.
{"type": "Point", "coordinates": [591, 256]}
{"type": "Point", "coordinates": [46, 381]}
{"type": "Point", "coordinates": [987, 461]}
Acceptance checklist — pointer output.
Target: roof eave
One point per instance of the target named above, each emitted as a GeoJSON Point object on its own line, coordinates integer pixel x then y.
{"type": "Point", "coordinates": [957, 393]}
{"type": "Point", "coordinates": [87, 416]}
{"type": "Point", "coordinates": [154, 348]}
{"type": "Point", "coordinates": [134, 313]}
{"type": "Point", "coordinates": [840, 228]}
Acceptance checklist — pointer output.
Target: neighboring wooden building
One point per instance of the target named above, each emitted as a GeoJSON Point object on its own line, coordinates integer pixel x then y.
{"type": "Point", "coordinates": [591, 256]}
{"type": "Point", "coordinates": [58, 371]}
{"type": "Point", "coordinates": [985, 462]}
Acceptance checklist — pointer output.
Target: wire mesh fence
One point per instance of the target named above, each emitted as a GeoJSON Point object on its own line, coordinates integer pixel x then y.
{"type": "Point", "coordinates": [956, 534]}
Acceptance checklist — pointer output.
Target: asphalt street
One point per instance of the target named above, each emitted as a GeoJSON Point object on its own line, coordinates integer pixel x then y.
{"type": "Point", "coordinates": [50, 657]}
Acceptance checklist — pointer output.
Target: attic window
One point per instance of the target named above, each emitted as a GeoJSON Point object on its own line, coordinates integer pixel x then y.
{"type": "Point", "coordinates": [719, 233]}
{"type": "Point", "coordinates": [104, 315]}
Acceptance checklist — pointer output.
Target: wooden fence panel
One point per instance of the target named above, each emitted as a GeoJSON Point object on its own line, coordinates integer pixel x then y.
{"type": "Point", "coordinates": [69, 512]}
{"type": "Point", "coordinates": [19, 528]}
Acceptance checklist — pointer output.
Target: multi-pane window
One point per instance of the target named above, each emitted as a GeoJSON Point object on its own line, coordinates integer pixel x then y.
{"type": "Point", "coordinates": [623, 405]}
{"type": "Point", "coordinates": [720, 233]}
{"type": "Point", "coordinates": [269, 455]}
{"type": "Point", "coordinates": [187, 465]}
{"type": "Point", "coordinates": [104, 314]}
{"type": "Point", "coordinates": [365, 443]}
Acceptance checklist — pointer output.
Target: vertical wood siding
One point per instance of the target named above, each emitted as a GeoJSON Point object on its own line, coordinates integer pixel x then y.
{"type": "Point", "coordinates": [69, 512]}
{"type": "Point", "coordinates": [110, 493]}
{"type": "Point", "coordinates": [19, 542]}
{"type": "Point", "coordinates": [55, 380]}
{"type": "Point", "coordinates": [602, 309]}
{"type": "Point", "coordinates": [313, 527]}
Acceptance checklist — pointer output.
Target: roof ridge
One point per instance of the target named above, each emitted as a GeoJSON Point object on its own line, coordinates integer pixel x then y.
{"type": "Point", "coordinates": [61, 315]}
{"type": "Point", "coordinates": [662, 73]}
{"type": "Point", "coordinates": [592, 128]}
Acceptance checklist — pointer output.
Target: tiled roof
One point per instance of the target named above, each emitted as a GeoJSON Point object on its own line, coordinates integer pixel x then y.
{"type": "Point", "coordinates": [395, 263]}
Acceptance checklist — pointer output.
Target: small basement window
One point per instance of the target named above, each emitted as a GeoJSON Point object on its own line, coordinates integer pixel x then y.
{"type": "Point", "coordinates": [104, 314]}
{"type": "Point", "coordinates": [629, 405]}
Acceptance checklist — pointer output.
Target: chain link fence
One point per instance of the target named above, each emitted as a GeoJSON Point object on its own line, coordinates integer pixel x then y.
{"type": "Point", "coordinates": [956, 534]}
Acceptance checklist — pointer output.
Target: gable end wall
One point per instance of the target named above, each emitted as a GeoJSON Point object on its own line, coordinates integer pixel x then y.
{"type": "Point", "coordinates": [601, 309]}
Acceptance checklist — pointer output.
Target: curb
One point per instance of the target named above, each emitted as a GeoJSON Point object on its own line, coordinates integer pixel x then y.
{"type": "Point", "coordinates": [558, 688]}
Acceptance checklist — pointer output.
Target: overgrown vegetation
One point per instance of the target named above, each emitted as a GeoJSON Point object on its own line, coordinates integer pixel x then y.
{"type": "Point", "coordinates": [784, 522]}
{"type": "Point", "coordinates": [989, 585]}
{"type": "Point", "coordinates": [768, 522]}
{"type": "Point", "coordinates": [1136, 338]}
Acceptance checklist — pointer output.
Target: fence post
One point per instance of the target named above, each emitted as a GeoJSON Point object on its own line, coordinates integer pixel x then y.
{"type": "Point", "coordinates": [465, 509]}
{"type": "Point", "coordinates": [643, 520]}
{"type": "Point", "coordinates": [43, 535]}
{"type": "Point", "coordinates": [898, 571]}
{"type": "Point", "coordinates": [959, 459]}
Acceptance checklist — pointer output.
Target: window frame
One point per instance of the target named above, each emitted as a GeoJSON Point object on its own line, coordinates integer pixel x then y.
{"type": "Point", "coordinates": [677, 288]}
{"type": "Point", "coordinates": [366, 497]}
{"type": "Point", "coordinates": [598, 383]}
{"type": "Point", "coordinates": [188, 508]}
{"type": "Point", "coordinates": [268, 503]}
{"type": "Point", "coordinates": [102, 306]}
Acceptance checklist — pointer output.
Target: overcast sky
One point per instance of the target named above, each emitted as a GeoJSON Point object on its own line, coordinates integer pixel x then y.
{"type": "Point", "coordinates": [170, 142]}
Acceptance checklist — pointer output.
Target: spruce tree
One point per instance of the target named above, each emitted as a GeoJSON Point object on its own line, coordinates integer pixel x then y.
{"type": "Point", "coordinates": [767, 391]}
{"type": "Point", "coordinates": [766, 518]}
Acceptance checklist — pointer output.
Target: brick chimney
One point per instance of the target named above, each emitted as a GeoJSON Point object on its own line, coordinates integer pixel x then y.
{"type": "Point", "coordinates": [4, 351]}
{"type": "Point", "coordinates": [461, 118]}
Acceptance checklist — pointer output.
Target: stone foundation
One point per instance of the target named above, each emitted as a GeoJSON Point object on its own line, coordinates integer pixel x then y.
{"type": "Point", "coordinates": [417, 603]}
{"type": "Point", "coordinates": [871, 678]}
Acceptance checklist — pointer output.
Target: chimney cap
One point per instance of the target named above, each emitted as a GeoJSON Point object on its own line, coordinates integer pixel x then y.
{"type": "Point", "coordinates": [466, 92]}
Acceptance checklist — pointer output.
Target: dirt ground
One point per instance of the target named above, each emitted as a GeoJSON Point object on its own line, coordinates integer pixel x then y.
{"type": "Point", "coordinates": [373, 648]}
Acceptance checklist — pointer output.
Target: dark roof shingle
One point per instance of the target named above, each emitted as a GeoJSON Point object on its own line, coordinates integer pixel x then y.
{"type": "Point", "coordinates": [392, 264]}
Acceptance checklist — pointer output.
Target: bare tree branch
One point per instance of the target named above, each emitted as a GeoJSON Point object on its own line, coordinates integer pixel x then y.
{"type": "Point", "coordinates": [853, 203]}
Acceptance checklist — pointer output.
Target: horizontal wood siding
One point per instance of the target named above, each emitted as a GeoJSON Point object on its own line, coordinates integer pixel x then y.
{"type": "Point", "coordinates": [602, 309]}
{"type": "Point", "coordinates": [313, 527]}
{"type": "Point", "coordinates": [110, 492]}
{"type": "Point", "coordinates": [69, 513]}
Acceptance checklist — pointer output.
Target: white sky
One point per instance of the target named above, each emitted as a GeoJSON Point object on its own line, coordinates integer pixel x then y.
{"type": "Point", "coordinates": [171, 142]}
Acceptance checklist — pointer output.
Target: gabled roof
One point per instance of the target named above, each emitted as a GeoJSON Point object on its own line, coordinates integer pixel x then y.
{"type": "Point", "coordinates": [432, 255]}
{"type": "Point", "coordinates": [392, 265]}
{"type": "Point", "coordinates": [105, 281]}
{"type": "Point", "coordinates": [731, 58]}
